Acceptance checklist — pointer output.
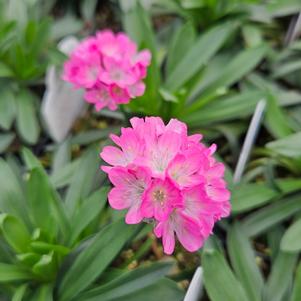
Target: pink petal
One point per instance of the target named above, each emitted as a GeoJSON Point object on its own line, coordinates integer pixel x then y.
{"type": "Point", "coordinates": [113, 155]}
{"type": "Point", "coordinates": [188, 232]}
{"type": "Point", "coordinates": [118, 199]}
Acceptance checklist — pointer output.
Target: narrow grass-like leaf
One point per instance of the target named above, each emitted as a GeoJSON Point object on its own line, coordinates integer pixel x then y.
{"type": "Point", "coordinates": [274, 236]}
{"type": "Point", "coordinates": [128, 283]}
{"type": "Point", "coordinates": [182, 40]}
{"type": "Point", "coordinates": [251, 195]}
{"type": "Point", "coordinates": [289, 146]}
{"type": "Point", "coordinates": [296, 294]}
{"type": "Point", "coordinates": [5, 141]}
{"type": "Point", "coordinates": [265, 218]}
{"type": "Point", "coordinates": [30, 160]}
{"type": "Point", "coordinates": [138, 25]}
{"type": "Point", "coordinates": [291, 241]}
{"type": "Point", "coordinates": [46, 207]}
{"type": "Point", "coordinates": [243, 261]}
{"type": "Point", "coordinates": [41, 200]}
{"type": "Point", "coordinates": [242, 64]}
{"type": "Point", "coordinates": [93, 260]}
{"type": "Point", "coordinates": [14, 232]}
{"type": "Point", "coordinates": [224, 109]}
{"type": "Point", "coordinates": [27, 123]}
{"type": "Point", "coordinates": [7, 108]}
{"type": "Point", "coordinates": [198, 55]}
{"type": "Point", "coordinates": [277, 284]}
{"type": "Point", "coordinates": [163, 289]}
{"type": "Point", "coordinates": [79, 189]}
{"type": "Point", "coordinates": [5, 71]}
{"type": "Point", "coordinates": [19, 293]}
{"type": "Point", "coordinates": [11, 272]}
{"type": "Point", "coordinates": [90, 208]}
{"type": "Point", "coordinates": [276, 120]}
{"type": "Point", "coordinates": [287, 68]}
{"type": "Point", "coordinates": [220, 282]}
{"type": "Point", "coordinates": [11, 196]}
{"type": "Point", "coordinates": [43, 293]}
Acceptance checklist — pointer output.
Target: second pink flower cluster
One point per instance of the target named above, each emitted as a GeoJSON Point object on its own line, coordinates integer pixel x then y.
{"type": "Point", "coordinates": [162, 173]}
{"type": "Point", "coordinates": [109, 68]}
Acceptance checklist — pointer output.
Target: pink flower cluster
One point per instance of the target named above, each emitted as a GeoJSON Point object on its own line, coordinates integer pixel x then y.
{"type": "Point", "coordinates": [109, 68]}
{"type": "Point", "coordinates": [160, 172]}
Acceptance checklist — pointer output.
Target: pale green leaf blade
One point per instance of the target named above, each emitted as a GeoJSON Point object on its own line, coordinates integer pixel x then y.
{"type": "Point", "coordinates": [243, 261]}
{"type": "Point", "coordinates": [291, 241]}
{"type": "Point", "coordinates": [198, 55]}
{"type": "Point", "coordinates": [219, 280]}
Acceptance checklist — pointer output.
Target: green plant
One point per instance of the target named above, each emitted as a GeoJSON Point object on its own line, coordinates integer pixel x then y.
{"type": "Point", "coordinates": [61, 249]}
{"type": "Point", "coordinates": [27, 47]}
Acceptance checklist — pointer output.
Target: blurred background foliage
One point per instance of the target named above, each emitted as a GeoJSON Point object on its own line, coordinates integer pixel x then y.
{"type": "Point", "coordinates": [212, 62]}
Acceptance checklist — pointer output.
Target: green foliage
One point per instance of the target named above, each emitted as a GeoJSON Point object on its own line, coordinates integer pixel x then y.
{"type": "Point", "coordinates": [57, 251]}
{"type": "Point", "coordinates": [212, 62]}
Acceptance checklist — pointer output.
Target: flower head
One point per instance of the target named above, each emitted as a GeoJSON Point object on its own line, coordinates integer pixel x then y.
{"type": "Point", "coordinates": [160, 172]}
{"type": "Point", "coordinates": [109, 68]}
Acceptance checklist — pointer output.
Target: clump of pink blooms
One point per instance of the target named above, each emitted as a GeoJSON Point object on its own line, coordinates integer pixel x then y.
{"type": "Point", "coordinates": [109, 68]}
{"type": "Point", "coordinates": [159, 172]}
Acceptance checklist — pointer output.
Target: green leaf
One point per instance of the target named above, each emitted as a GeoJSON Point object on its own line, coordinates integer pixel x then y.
{"type": "Point", "coordinates": [43, 293]}
{"type": "Point", "coordinates": [296, 294]}
{"type": "Point", "coordinates": [138, 25]}
{"type": "Point", "coordinates": [276, 120]}
{"type": "Point", "coordinates": [11, 196]}
{"type": "Point", "coordinates": [45, 268]}
{"type": "Point", "coordinates": [19, 293]}
{"type": "Point", "coordinates": [224, 109]}
{"type": "Point", "coordinates": [10, 272]}
{"type": "Point", "coordinates": [219, 280]}
{"type": "Point", "coordinates": [274, 236]}
{"type": "Point", "coordinates": [289, 146]}
{"type": "Point", "coordinates": [30, 160]}
{"type": "Point", "coordinates": [14, 232]}
{"type": "Point", "coordinates": [89, 210]}
{"type": "Point", "coordinates": [89, 136]}
{"type": "Point", "coordinates": [265, 218]}
{"type": "Point", "coordinates": [79, 189]}
{"type": "Point", "coordinates": [286, 68]}
{"type": "Point", "coordinates": [62, 155]}
{"type": "Point", "coordinates": [163, 289]}
{"type": "Point", "coordinates": [128, 283]}
{"type": "Point", "coordinates": [5, 141]}
{"type": "Point", "coordinates": [87, 9]}
{"type": "Point", "coordinates": [198, 55]}
{"type": "Point", "coordinates": [40, 198]}
{"type": "Point", "coordinates": [93, 260]}
{"type": "Point", "coordinates": [43, 247]}
{"type": "Point", "coordinates": [46, 207]}
{"type": "Point", "coordinates": [243, 261]}
{"type": "Point", "coordinates": [251, 195]}
{"type": "Point", "coordinates": [277, 285]}
{"type": "Point", "coordinates": [28, 259]}
{"type": "Point", "coordinates": [242, 64]}
{"type": "Point", "coordinates": [27, 123]}
{"type": "Point", "coordinates": [5, 71]}
{"type": "Point", "coordinates": [182, 40]}
{"type": "Point", "coordinates": [64, 175]}
{"type": "Point", "coordinates": [291, 241]}
{"type": "Point", "coordinates": [65, 26]}
{"type": "Point", "coordinates": [7, 108]}
{"type": "Point", "coordinates": [252, 35]}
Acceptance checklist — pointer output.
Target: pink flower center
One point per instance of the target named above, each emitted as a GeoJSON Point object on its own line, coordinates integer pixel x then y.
{"type": "Point", "coordinates": [117, 91]}
{"type": "Point", "coordinates": [103, 94]}
{"type": "Point", "coordinates": [92, 73]}
{"type": "Point", "coordinates": [159, 196]}
{"type": "Point", "coordinates": [117, 74]}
